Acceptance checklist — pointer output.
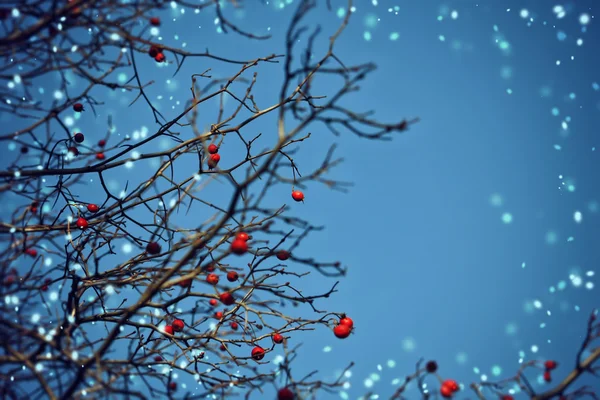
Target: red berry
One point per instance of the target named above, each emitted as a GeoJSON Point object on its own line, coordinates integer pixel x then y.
{"type": "Point", "coordinates": [342, 331]}
{"type": "Point", "coordinates": [239, 246]}
{"type": "Point", "coordinates": [93, 208]}
{"type": "Point", "coordinates": [547, 376]}
{"type": "Point", "coordinates": [298, 195]}
{"type": "Point", "coordinates": [78, 107]}
{"type": "Point", "coordinates": [100, 156]}
{"type": "Point", "coordinates": [160, 57]}
{"type": "Point", "coordinates": [258, 353]}
{"type": "Point", "coordinates": [213, 279]}
{"type": "Point", "coordinates": [234, 325]}
{"type": "Point", "coordinates": [451, 383]}
{"type": "Point", "coordinates": [213, 160]}
{"type": "Point", "coordinates": [178, 325]}
{"type": "Point", "coordinates": [24, 150]}
{"type": "Point", "coordinates": [285, 394]}
{"type": "Point", "coordinates": [154, 51]}
{"type": "Point", "coordinates": [550, 364]}
{"type": "Point", "coordinates": [155, 21]}
{"type": "Point", "coordinates": [283, 255]}
{"type": "Point", "coordinates": [226, 298]}
{"type": "Point", "coordinates": [347, 321]}
{"type": "Point", "coordinates": [212, 302]}
{"type": "Point", "coordinates": [173, 386]}
{"type": "Point", "coordinates": [31, 252]}
{"type": "Point", "coordinates": [185, 283]}
{"type": "Point", "coordinates": [73, 150]}
{"type": "Point", "coordinates": [223, 348]}
{"type": "Point", "coordinates": [78, 137]}
{"type": "Point", "coordinates": [33, 209]}
{"type": "Point", "coordinates": [169, 329]}
{"type": "Point", "coordinates": [242, 236]}
{"type": "Point", "coordinates": [213, 149]}
{"type": "Point", "coordinates": [507, 397]}
{"type": "Point", "coordinates": [445, 391]}
{"type": "Point", "coordinates": [278, 338]}
{"type": "Point", "coordinates": [157, 358]}
{"type": "Point", "coordinates": [82, 223]}
{"type": "Point", "coordinates": [219, 315]}
{"type": "Point", "coordinates": [232, 276]}
{"type": "Point", "coordinates": [153, 248]}
{"type": "Point", "coordinates": [101, 142]}
{"type": "Point", "coordinates": [9, 280]}
{"type": "Point", "coordinates": [431, 366]}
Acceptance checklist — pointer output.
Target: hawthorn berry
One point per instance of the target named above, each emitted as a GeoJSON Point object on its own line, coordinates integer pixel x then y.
{"type": "Point", "coordinates": [285, 394]}
{"type": "Point", "coordinates": [242, 236]}
{"type": "Point", "coordinates": [277, 338]}
{"type": "Point", "coordinates": [155, 21]}
{"type": "Point", "coordinates": [160, 57]}
{"type": "Point", "coordinates": [93, 208]}
{"type": "Point", "coordinates": [73, 150]}
{"type": "Point", "coordinates": [212, 302]}
{"type": "Point", "coordinates": [219, 315]}
{"type": "Point", "coordinates": [101, 142]}
{"type": "Point", "coordinates": [451, 383]}
{"type": "Point", "coordinates": [153, 248]}
{"type": "Point", "coordinates": [178, 325]}
{"type": "Point", "coordinates": [234, 325]}
{"type": "Point", "coordinates": [222, 347]}
{"type": "Point", "coordinates": [185, 283]}
{"type": "Point", "coordinates": [169, 329]}
{"type": "Point", "coordinates": [213, 279]}
{"type": "Point", "coordinates": [47, 282]}
{"type": "Point", "coordinates": [341, 331]}
{"type": "Point", "coordinates": [227, 298]}
{"type": "Point", "coordinates": [347, 321]}
{"type": "Point", "coordinates": [232, 276]}
{"type": "Point", "coordinates": [283, 255]}
{"type": "Point", "coordinates": [507, 397]}
{"type": "Point", "coordinates": [31, 252]}
{"type": "Point", "coordinates": [550, 364]}
{"type": "Point", "coordinates": [258, 353]}
{"type": "Point", "coordinates": [82, 223]}
{"type": "Point", "coordinates": [24, 150]}
{"type": "Point", "coordinates": [173, 386]}
{"type": "Point", "coordinates": [213, 149]}
{"type": "Point", "coordinates": [239, 247]}
{"type": "Point", "coordinates": [297, 195]}
{"type": "Point", "coordinates": [547, 376]}
{"type": "Point", "coordinates": [446, 392]}
{"type": "Point", "coordinates": [100, 156]}
{"type": "Point", "coordinates": [431, 367]}
{"type": "Point", "coordinates": [9, 280]}
{"type": "Point", "coordinates": [154, 51]}
{"type": "Point", "coordinates": [213, 160]}
{"type": "Point", "coordinates": [78, 107]}
{"type": "Point", "coordinates": [78, 137]}
{"type": "Point", "coordinates": [157, 358]}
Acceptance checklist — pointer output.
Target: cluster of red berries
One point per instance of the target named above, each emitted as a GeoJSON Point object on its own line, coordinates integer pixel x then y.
{"type": "Point", "coordinates": [449, 387]}
{"type": "Point", "coordinates": [344, 328]}
{"type": "Point", "coordinates": [156, 52]}
{"type": "Point", "coordinates": [239, 245]}
{"type": "Point", "coordinates": [548, 367]}
{"type": "Point", "coordinates": [214, 157]}
{"type": "Point", "coordinates": [176, 326]}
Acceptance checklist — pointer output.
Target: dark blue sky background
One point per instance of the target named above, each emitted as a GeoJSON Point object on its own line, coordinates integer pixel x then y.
{"type": "Point", "coordinates": [472, 239]}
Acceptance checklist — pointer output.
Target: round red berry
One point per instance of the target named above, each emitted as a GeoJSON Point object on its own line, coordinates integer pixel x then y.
{"type": "Point", "coordinates": [213, 302]}
{"type": "Point", "coordinates": [213, 160]}
{"type": "Point", "coordinates": [93, 208]}
{"type": "Point", "coordinates": [78, 137]}
{"type": "Point", "coordinates": [283, 255]}
{"type": "Point", "coordinates": [153, 248]}
{"type": "Point", "coordinates": [550, 364]}
{"type": "Point", "coordinates": [242, 236]}
{"type": "Point", "coordinates": [507, 397]}
{"type": "Point", "coordinates": [232, 276]}
{"type": "Point", "coordinates": [160, 57]}
{"type": "Point", "coordinates": [234, 325]}
{"type": "Point", "coordinates": [431, 366]}
{"type": "Point", "coordinates": [154, 51]}
{"type": "Point", "coordinates": [169, 329]}
{"type": "Point", "coordinates": [155, 21]}
{"type": "Point", "coordinates": [219, 315]}
{"type": "Point", "coordinates": [101, 142]}
{"type": "Point", "coordinates": [347, 321]}
{"type": "Point", "coordinates": [445, 391]}
{"type": "Point", "coordinates": [547, 376]}
{"type": "Point", "coordinates": [341, 331]}
{"type": "Point", "coordinates": [227, 298]}
{"type": "Point", "coordinates": [451, 383]}
{"type": "Point", "coordinates": [298, 195]}
{"type": "Point", "coordinates": [78, 107]}
{"type": "Point", "coordinates": [31, 252]}
{"type": "Point", "coordinates": [82, 223]}
{"type": "Point", "coordinates": [173, 386]}
{"type": "Point", "coordinates": [239, 246]}
{"type": "Point", "coordinates": [285, 394]}
{"type": "Point", "coordinates": [73, 150]}
{"type": "Point", "coordinates": [185, 283]}
{"type": "Point", "coordinates": [213, 149]}
{"type": "Point", "coordinates": [178, 325]}
{"type": "Point", "coordinates": [277, 338]}
{"type": "Point", "coordinates": [258, 353]}
{"type": "Point", "coordinates": [213, 279]}
{"type": "Point", "coordinates": [100, 156]}
{"type": "Point", "coordinates": [158, 358]}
